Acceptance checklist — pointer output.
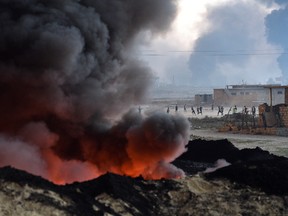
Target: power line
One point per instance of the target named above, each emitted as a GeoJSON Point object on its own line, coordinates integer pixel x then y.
{"type": "Point", "coordinates": [217, 52]}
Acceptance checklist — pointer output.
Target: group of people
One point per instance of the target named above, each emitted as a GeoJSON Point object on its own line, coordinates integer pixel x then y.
{"type": "Point", "coordinates": [245, 110]}
{"type": "Point", "coordinates": [198, 109]}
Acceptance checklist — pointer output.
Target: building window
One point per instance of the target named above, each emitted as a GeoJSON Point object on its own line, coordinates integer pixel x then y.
{"type": "Point", "coordinates": [279, 92]}
{"type": "Point", "coordinates": [241, 93]}
{"type": "Point", "coordinates": [233, 93]}
{"type": "Point", "coordinates": [247, 93]}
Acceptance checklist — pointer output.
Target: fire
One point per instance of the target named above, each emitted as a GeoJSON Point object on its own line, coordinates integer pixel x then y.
{"type": "Point", "coordinates": [63, 172]}
{"type": "Point", "coordinates": [133, 147]}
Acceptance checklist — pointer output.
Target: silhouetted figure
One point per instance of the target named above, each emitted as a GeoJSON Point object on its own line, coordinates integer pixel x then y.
{"type": "Point", "coordinates": [200, 110]}
{"type": "Point", "coordinates": [220, 110]}
{"type": "Point", "coordinates": [185, 108]}
{"type": "Point", "coordinates": [193, 111]}
{"type": "Point", "coordinates": [234, 109]}
{"type": "Point", "coordinates": [245, 110]}
{"type": "Point", "coordinates": [176, 108]}
{"type": "Point", "coordinates": [253, 109]}
{"type": "Point", "coordinates": [139, 109]}
{"type": "Point", "coordinates": [168, 109]}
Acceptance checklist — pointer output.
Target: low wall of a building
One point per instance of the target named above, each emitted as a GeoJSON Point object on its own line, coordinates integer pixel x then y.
{"type": "Point", "coordinates": [284, 115]}
{"type": "Point", "coordinates": [276, 116]}
{"type": "Point", "coordinates": [272, 131]}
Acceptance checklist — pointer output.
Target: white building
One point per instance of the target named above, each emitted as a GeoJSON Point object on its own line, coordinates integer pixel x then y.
{"type": "Point", "coordinates": [251, 95]}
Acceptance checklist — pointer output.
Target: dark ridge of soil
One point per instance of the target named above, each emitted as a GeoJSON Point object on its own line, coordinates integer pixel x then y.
{"type": "Point", "coordinates": [254, 167]}
{"type": "Point", "coordinates": [271, 176]}
{"type": "Point", "coordinates": [209, 151]}
{"type": "Point", "coordinates": [251, 167]}
{"type": "Point", "coordinates": [22, 178]}
{"type": "Point", "coordinates": [136, 192]}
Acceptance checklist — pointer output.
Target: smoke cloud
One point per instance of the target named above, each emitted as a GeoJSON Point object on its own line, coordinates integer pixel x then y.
{"type": "Point", "coordinates": [277, 33]}
{"type": "Point", "coordinates": [67, 69]}
{"type": "Point", "coordinates": [234, 48]}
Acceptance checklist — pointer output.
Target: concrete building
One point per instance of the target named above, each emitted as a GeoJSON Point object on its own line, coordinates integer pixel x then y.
{"type": "Point", "coordinates": [203, 99]}
{"type": "Point", "coordinates": [251, 95]}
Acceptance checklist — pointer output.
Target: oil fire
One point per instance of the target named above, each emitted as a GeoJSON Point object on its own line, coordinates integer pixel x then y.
{"type": "Point", "coordinates": [68, 66]}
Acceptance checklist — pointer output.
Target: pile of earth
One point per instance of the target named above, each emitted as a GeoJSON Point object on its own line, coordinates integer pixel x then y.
{"type": "Point", "coordinates": [255, 183]}
{"type": "Point", "coordinates": [253, 167]}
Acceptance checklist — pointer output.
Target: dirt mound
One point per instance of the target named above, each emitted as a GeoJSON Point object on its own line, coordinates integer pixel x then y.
{"type": "Point", "coordinates": [112, 194]}
{"type": "Point", "coordinates": [254, 184]}
{"type": "Point", "coordinates": [268, 175]}
{"type": "Point", "coordinates": [254, 167]}
{"type": "Point", "coordinates": [211, 150]}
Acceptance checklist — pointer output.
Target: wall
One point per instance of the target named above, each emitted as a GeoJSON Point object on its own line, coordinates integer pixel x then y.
{"type": "Point", "coordinates": [203, 99]}
{"type": "Point", "coordinates": [250, 96]}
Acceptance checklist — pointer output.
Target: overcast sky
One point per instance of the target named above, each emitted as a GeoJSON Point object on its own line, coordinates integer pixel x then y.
{"type": "Point", "coordinates": [222, 42]}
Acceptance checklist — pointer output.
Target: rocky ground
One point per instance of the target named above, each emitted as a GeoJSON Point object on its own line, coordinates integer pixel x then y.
{"type": "Point", "coordinates": [119, 195]}
{"type": "Point", "coordinates": [254, 184]}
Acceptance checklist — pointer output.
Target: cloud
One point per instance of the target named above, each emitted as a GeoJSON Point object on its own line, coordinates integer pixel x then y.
{"type": "Point", "coordinates": [234, 48]}
{"type": "Point", "coordinates": [277, 33]}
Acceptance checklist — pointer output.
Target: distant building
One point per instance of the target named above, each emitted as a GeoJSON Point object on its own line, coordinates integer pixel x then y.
{"type": "Point", "coordinates": [251, 95]}
{"type": "Point", "coordinates": [203, 99]}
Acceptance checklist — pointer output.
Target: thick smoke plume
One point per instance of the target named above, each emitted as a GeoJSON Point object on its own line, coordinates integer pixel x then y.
{"type": "Point", "coordinates": [277, 33]}
{"type": "Point", "coordinates": [234, 47]}
{"type": "Point", "coordinates": [66, 69]}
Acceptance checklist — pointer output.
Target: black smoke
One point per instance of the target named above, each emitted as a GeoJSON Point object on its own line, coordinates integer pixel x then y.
{"type": "Point", "coordinates": [66, 69]}
{"type": "Point", "coordinates": [67, 57]}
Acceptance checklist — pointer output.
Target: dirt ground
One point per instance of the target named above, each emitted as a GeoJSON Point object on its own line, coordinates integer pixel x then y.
{"type": "Point", "coordinates": [274, 144]}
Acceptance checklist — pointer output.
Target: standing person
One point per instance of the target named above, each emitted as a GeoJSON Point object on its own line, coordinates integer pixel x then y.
{"type": "Point", "coordinates": [222, 110]}
{"type": "Point", "coordinates": [200, 109]}
{"type": "Point", "coordinates": [176, 108]}
{"type": "Point", "coordinates": [219, 110]}
{"type": "Point", "coordinates": [253, 110]}
{"type": "Point", "coordinates": [185, 108]}
{"type": "Point", "coordinates": [234, 109]}
{"type": "Point", "coordinates": [168, 109]}
{"type": "Point", "coordinates": [245, 110]}
{"type": "Point", "coordinates": [193, 111]}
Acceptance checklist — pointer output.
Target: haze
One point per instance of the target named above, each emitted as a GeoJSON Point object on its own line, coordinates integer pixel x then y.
{"type": "Point", "coordinates": [223, 42]}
